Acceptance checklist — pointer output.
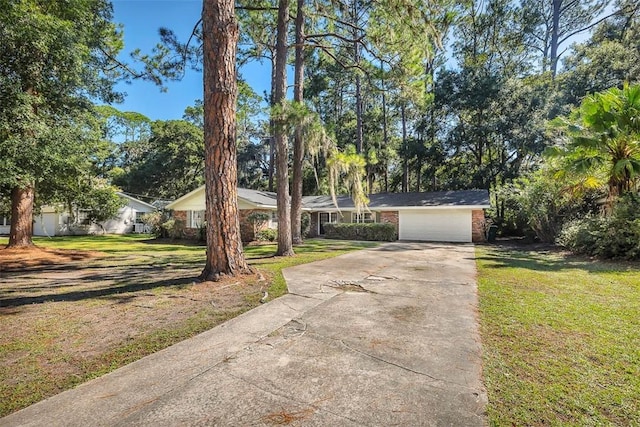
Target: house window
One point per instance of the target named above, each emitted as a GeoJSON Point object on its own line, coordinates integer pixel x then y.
{"type": "Point", "coordinates": [274, 217]}
{"type": "Point", "coordinates": [366, 217]}
{"type": "Point", "coordinates": [195, 219]}
{"type": "Point", "coordinates": [139, 217]}
{"type": "Point", "coordinates": [82, 217]}
{"type": "Point", "coordinates": [326, 218]}
{"type": "Point", "coordinates": [5, 219]}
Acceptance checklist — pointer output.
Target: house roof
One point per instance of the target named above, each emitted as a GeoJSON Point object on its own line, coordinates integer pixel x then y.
{"type": "Point", "coordinates": [463, 198]}
{"type": "Point", "coordinates": [126, 196]}
{"type": "Point", "coordinates": [255, 197]}
{"type": "Point", "coordinates": [438, 199]}
{"type": "Point", "coordinates": [258, 197]}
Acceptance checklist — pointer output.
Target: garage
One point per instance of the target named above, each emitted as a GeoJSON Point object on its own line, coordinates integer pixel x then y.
{"type": "Point", "coordinates": [435, 225]}
{"type": "Point", "coordinates": [45, 224]}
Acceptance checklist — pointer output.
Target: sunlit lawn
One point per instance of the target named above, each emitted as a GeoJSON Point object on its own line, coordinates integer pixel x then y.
{"type": "Point", "coordinates": [138, 297]}
{"type": "Point", "coordinates": [561, 338]}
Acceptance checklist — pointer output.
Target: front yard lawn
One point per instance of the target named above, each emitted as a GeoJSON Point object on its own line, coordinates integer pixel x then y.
{"type": "Point", "coordinates": [561, 338]}
{"type": "Point", "coordinates": [65, 323]}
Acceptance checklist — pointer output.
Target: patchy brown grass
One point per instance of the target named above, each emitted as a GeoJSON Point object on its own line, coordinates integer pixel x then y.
{"type": "Point", "coordinates": [35, 256]}
{"type": "Point", "coordinates": [75, 308]}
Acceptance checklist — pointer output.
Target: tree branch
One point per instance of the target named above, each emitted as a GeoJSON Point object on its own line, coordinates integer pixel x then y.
{"type": "Point", "coordinates": [588, 27]}
{"type": "Point", "coordinates": [338, 36]}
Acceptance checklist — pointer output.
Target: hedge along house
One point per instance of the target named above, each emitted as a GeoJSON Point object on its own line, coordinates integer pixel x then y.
{"type": "Point", "coordinates": [447, 216]}
{"type": "Point", "coordinates": [444, 216]}
{"type": "Point", "coordinates": [55, 221]}
{"type": "Point", "coordinates": [189, 210]}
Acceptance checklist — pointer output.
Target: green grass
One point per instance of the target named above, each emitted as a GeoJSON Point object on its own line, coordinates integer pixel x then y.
{"type": "Point", "coordinates": [561, 338]}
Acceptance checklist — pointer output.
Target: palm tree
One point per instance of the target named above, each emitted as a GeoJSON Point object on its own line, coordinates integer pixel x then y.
{"type": "Point", "coordinates": [605, 139]}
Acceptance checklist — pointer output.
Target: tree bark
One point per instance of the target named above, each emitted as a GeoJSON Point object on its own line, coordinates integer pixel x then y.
{"type": "Point", "coordinates": [285, 246]}
{"type": "Point", "coordinates": [385, 134]}
{"type": "Point", "coordinates": [555, 34]}
{"type": "Point", "coordinates": [298, 143]}
{"type": "Point", "coordinates": [272, 144]}
{"type": "Point", "coordinates": [405, 160]}
{"type": "Point", "coordinates": [220, 37]}
{"type": "Point", "coordinates": [21, 229]}
{"type": "Point", "coordinates": [356, 61]}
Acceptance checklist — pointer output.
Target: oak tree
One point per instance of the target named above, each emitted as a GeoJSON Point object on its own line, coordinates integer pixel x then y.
{"type": "Point", "coordinates": [56, 57]}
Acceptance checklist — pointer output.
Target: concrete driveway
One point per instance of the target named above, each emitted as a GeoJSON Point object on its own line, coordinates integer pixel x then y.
{"type": "Point", "coordinates": [379, 337]}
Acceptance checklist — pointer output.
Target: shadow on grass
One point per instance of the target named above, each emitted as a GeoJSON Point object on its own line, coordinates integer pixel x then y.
{"type": "Point", "coordinates": [106, 291]}
{"type": "Point", "coordinates": [547, 258]}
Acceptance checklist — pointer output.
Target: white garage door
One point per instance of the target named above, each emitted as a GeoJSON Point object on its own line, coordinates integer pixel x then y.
{"type": "Point", "coordinates": [45, 224]}
{"type": "Point", "coordinates": [447, 225]}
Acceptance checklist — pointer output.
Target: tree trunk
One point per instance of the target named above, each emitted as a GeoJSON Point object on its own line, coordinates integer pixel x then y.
{"type": "Point", "coordinates": [405, 161]}
{"type": "Point", "coordinates": [298, 143]}
{"type": "Point", "coordinates": [285, 246]}
{"type": "Point", "coordinates": [272, 126]}
{"type": "Point", "coordinates": [356, 61]}
{"type": "Point", "coordinates": [21, 229]}
{"type": "Point", "coordinates": [555, 34]}
{"type": "Point", "coordinates": [385, 133]}
{"type": "Point", "coordinates": [220, 37]}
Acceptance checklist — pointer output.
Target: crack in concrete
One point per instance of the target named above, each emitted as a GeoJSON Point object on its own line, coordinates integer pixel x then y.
{"type": "Point", "coordinates": [397, 365]}
{"type": "Point", "coordinates": [287, 305]}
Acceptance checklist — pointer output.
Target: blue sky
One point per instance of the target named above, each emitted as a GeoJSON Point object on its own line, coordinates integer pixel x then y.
{"type": "Point", "coordinates": [141, 20]}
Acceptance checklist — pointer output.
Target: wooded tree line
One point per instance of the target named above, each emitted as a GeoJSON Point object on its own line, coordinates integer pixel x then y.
{"type": "Point", "coordinates": [393, 95]}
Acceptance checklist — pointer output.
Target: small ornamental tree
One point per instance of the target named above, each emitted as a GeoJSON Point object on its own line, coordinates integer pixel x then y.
{"type": "Point", "coordinates": [258, 220]}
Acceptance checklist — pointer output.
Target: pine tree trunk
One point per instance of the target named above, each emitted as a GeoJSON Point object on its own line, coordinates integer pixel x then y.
{"type": "Point", "coordinates": [272, 144]}
{"type": "Point", "coordinates": [298, 143]}
{"type": "Point", "coordinates": [385, 134]}
{"type": "Point", "coordinates": [21, 229]}
{"type": "Point", "coordinates": [405, 160]}
{"type": "Point", "coordinates": [285, 246]}
{"type": "Point", "coordinates": [555, 31]}
{"type": "Point", "coordinates": [220, 37]}
{"type": "Point", "coordinates": [356, 61]}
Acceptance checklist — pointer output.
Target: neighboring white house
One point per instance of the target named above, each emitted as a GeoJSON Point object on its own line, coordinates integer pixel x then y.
{"type": "Point", "coordinates": [52, 221]}
{"type": "Point", "coordinates": [5, 223]}
{"type": "Point", "coordinates": [441, 216]}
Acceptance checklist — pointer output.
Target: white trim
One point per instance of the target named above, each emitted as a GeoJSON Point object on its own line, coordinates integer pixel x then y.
{"type": "Point", "coordinates": [179, 199]}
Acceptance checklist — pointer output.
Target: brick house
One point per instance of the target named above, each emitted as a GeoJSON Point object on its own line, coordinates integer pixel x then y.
{"type": "Point", "coordinates": [447, 216]}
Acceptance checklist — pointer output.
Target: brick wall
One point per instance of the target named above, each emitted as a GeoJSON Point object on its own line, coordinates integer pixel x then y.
{"type": "Point", "coordinates": [390, 217]}
{"type": "Point", "coordinates": [247, 232]}
{"type": "Point", "coordinates": [180, 218]}
{"type": "Point", "coordinates": [477, 226]}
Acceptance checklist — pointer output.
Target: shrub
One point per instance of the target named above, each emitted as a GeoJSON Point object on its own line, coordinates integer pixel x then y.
{"type": "Point", "coordinates": [155, 221]}
{"type": "Point", "coordinates": [268, 235]}
{"type": "Point", "coordinates": [173, 228]}
{"type": "Point", "coordinates": [305, 223]}
{"type": "Point", "coordinates": [614, 236]}
{"type": "Point", "coordinates": [377, 232]}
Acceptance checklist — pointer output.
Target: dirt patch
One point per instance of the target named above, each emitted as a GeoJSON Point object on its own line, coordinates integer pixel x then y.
{"type": "Point", "coordinates": [34, 256]}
